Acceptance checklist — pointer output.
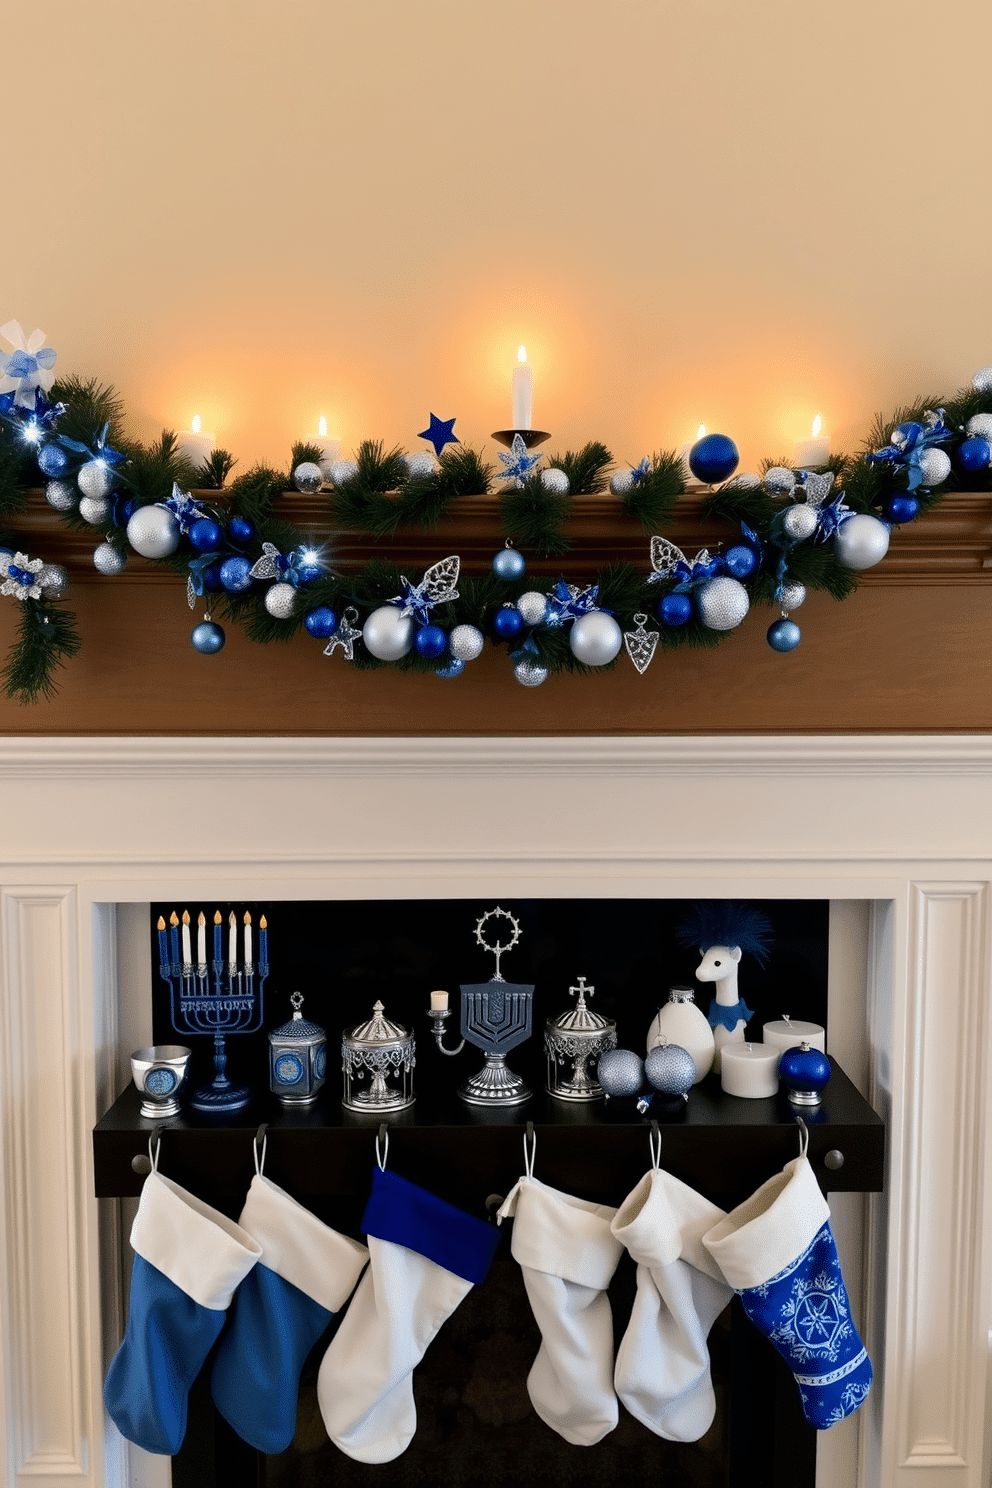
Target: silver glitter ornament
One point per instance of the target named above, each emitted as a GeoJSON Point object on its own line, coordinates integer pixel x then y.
{"type": "Point", "coordinates": [935, 466]}
{"type": "Point", "coordinates": [792, 595]}
{"type": "Point", "coordinates": [620, 1072]}
{"type": "Point", "coordinates": [466, 642]}
{"type": "Point", "coordinates": [533, 607]}
{"type": "Point", "coordinates": [343, 471]}
{"type": "Point", "coordinates": [61, 495]}
{"type": "Point", "coordinates": [95, 478]}
{"type": "Point", "coordinates": [109, 561]}
{"type": "Point", "coordinates": [54, 579]}
{"type": "Point", "coordinates": [800, 522]}
{"type": "Point", "coordinates": [530, 673]}
{"type": "Point", "coordinates": [388, 634]}
{"type": "Point", "coordinates": [94, 509]}
{"type": "Point", "coordinates": [743, 482]}
{"type": "Point", "coordinates": [671, 1070]}
{"type": "Point", "coordinates": [979, 426]}
{"type": "Point", "coordinates": [722, 603]}
{"type": "Point", "coordinates": [280, 600]}
{"type": "Point", "coordinates": [153, 532]}
{"type": "Point", "coordinates": [982, 380]}
{"type": "Point", "coordinates": [621, 482]}
{"type": "Point", "coordinates": [555, 480]}
{"type": "Point", "coordinates": [308, 478]}
{"type": "Point", "coordinates": [595, 638]}
{"type": "Point", "coordinates": [861, 541]}
{"type": "Point", "coordinates": [420, 465]}
{"type": "Point", "coordinates": [779, 481]}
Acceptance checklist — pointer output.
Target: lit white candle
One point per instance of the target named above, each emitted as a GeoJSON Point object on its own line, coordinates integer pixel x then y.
{"type": "Point", "coordinates": [201, 943]}
{"type": "Point", "coordinates": [232, 944]}
{"type": "Point", "coordinates": [328, 444]}
{"type": "Point", "coordinates": [789, 1033]}
{"type": "Point", "coordinates": [750, 1070]}
{"type": "Point", "coordinates": [195, 444]}
{"type": "Point", "coordinates": [523, 391]}
{"type": "Point", "coordinates": [684, 449]}
{"type": "Point", "coordinates": [187, 953]}
{"type": "Point", "coordinates": [813, 453]}
{"type": "Point", "coordinates": [439, 1002]}
{"type": "Point", "coordinates": [248, 956]}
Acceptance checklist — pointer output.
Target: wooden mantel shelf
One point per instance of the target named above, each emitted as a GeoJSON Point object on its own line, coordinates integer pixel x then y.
{"type": "Point", "coordinates": [952, 545]}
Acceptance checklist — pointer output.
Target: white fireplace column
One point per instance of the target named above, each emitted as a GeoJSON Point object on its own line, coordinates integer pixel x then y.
{"type": "Point", "coordinates": [902, 824]}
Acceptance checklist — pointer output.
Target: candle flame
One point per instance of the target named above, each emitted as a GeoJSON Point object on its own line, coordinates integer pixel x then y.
{"type": "Point", "coordinates": [231, 920]}
{"type": "Point", "coordinates": [173, 918]}
{"type": "Point", "coordinates": [247, 919]}
{"type": "Point", "coordinates": [217, 918]}
{"type": "Point", "coordinates": [185, 916]}
{"type": "Point", "coordinates": [322, 427]}
{"type": "Point", "coordinates": [521, 353]}
{"type": "Point", "coordinates": [817, 425]}
{"type": "Point", "coordinates": [263, 923]}
{"type": "Point", "coordinates": [202, 920]}
{"type": "Point", "coordinates": [161, 923]}
{"type": "Point", "coordinates": [701, 432]}
{"type": "Point", "coordinates": [196, 423]}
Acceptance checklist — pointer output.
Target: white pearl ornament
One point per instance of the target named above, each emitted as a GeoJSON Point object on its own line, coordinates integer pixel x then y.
{"type": "Point", "coordinates": [94, 509]}
{"type": "Point", "coordinates": [595, 638]}
{"type": "Point", "coordinates": [800, 522]}
{"type": "Point", "coordinates": [280, 601]}
{"type": "Point", "coordinates": [722, 603]}
{"type": "Point", "coordinates": [466, 642]}
{"type": "Point", "coordinates": [109, 561]}
{"type": "Point", "coordinates": [342, 471]}
{"type": "Point", "coordinates": [861, 541]}
{"type": "Point", "coordinates": [153, 532]}
{"type": "Point", "coordinates": [982, 380]}
{"type": "Point", "coordinates": [979, 426]}
{"type": "Point", "coordinates": [421, 465]}
{"type": "Point", "coordinates": [387, 633]}
{"type": "Point", "coordinates": [54, 579]}
{"type": "Point", "coordinates": [793, 595]}
{"type": "Point", "coordinates": [555, 480]}
{"type": "Point", "coordinates": [533, 607]}
{"type": "Point", "coordinates": [61, 495]}
{"type": "Point", "coordinates": [935, 466]}
{"type": "Point", "coordinates": [621, 482]}
{"type": "Point", "coordinates": [530, 673]}
{"type": "Point", "coordinates": [95, 478]}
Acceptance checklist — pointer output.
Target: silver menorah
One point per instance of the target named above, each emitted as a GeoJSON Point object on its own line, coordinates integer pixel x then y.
{"type": "Point", "coordinates": [495, 1017]}
{"type": "Point", "coordinates": [235, 1004]}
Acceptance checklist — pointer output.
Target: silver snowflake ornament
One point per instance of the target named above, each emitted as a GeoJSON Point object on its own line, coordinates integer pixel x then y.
{"type": "Point", "coordinates": [20, 576]}
{"type": "Point", "coordinates": [518, 463]}
{"type": "Point", "coordinates": [640, 644]}
{"type": "Point", "coordinates": [345, 636]}
{"type": "Point", "coordinates": [183, 508]}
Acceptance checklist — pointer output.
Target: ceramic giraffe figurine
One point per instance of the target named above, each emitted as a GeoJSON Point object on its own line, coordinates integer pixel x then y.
{"type": "Point", "coordinates": [722, 931]}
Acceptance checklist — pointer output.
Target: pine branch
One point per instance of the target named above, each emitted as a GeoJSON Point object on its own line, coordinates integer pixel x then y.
{"type": "Point", "coordinates": [253, 493]}
{"type": "Point", "coordinates": [587, 468]}
{"type": "Point", "coordinates": [47, 638]}
{"type": "Point", "coordinates": [303, 454]}
{"type": "Point", "coordinates": [152, 470]}
{"type": "Point", "coordinates": [214, 472]}
{"type": "Point", "coordinates": [652, 499]}
{"type": "Point", "coordinates": [534, 517]}
{"type": "Point", "coordinates": [89, 405]}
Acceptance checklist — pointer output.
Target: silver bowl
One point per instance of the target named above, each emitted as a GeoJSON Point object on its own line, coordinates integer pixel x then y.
{"type": "Point", "coordinates": [159, 1074]}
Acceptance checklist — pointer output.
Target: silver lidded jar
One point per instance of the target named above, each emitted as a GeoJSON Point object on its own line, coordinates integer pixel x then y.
{"type": "Point", "coordinates": [297, 1058]}
{"type": "Point", "coordinates": [575, 1038]}
{"type": "Point", "coordinates": [377, 1062]}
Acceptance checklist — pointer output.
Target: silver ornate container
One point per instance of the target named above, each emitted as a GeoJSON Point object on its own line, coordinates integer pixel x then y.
{"type": "Point", "coordinates": [571, 1040]}
{"type": "Point", "coordinates": [383, 1052]}
{"type": "Point", "coordinates": [297, 1058]}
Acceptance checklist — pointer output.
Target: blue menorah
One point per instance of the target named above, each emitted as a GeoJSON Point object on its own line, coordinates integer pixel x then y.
{"type": "Point", "coordinates": [234, 1006]}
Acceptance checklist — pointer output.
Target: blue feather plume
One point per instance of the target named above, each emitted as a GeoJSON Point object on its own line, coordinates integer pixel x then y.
{"type": "Point", "coordinates": [727, 922]}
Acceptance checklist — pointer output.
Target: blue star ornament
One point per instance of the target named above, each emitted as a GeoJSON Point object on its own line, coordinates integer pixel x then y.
{"type": "Point", "coordinates": [518, 462]}
{"type": "Point", "coordinates": [439, 433]}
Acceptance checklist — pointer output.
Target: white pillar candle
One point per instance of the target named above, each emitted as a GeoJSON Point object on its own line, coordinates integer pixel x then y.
{"type": "Point", "coordinates": [439, 1002]}
{"type": "Point", "coordinates": [248, 955]}
{"type": "Point", "coordinates": [232, 944]}
{"type": "Point", "coordinates": [187, 953]}
{"type": "Point", "coordinates": [523, 392]}
{"type": "Point", "coordinates": [813, 453]}
{"type": "Point", "coordinates": [328, 444]}
{"type": "Point", "coordinates": [750, 1070]}
{"type": "Point", "coordinates": [684, 449]}
{"type": "Point", "coordinates": [201, 942]}
{"type": "Point", "coordinates": [789, 1033]}
{"type": "Point", "coordinates": [195, 444]}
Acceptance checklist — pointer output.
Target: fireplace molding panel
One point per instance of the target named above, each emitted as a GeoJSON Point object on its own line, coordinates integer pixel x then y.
{"type": "Point", "coordinates": [900, 824]}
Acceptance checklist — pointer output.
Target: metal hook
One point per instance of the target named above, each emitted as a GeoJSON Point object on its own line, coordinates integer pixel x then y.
{"type": "Point", "coordinates": [382, 1145]}
{"type": "Point", "coordinates": [260, 1136]}
{"type": "Point", "coordinates": [530, 1136]}
{"type": "Point", "coordinates": [654, 1140]}
{"type": "Point", "coordinates": [155, 1135]}
{"type": "Point", "coordinates": [803, 1136]}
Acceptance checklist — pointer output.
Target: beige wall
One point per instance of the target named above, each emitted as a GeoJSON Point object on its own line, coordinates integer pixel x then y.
{"type": "Point", "coordinates": [730, 213]}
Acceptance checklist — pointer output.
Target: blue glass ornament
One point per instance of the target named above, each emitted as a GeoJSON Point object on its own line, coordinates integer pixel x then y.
{"type": "Point", "coordinates": [508, 622]}
{"type": "Point", "coordinates": [307, 572]}
{"type": "Point", "coordinates": [431, 641]}
{"type": "Point", "coordinates": [674, 609]}
{"type": "Point", "coordinates": [235, 574]}
{"type": "Point", "coordinates": [124, 510]}
{"type": "Point", "coordinates": [454, 668]}
{"type": "Point", "coordinates": [973, 454]}
{"type": "Point", "coordinates": [509, 564]}
{"type": "Point", "coordinates": [321, 622]}
{"type": "Point", "coordinates": [804, 1072]}
{"type": "Point", "coordinates": [53, 460]}
{"type": "Point", "coordinates": [240, 531]}
{"type": "Point", "coordinates": [208, 638]}
{"type": "Point", "coordinates": [901, 508]}
{"type": "Point", "coordinates": [713, 458]}
{"type": "Point", "coordinates": [784, 635]}
{"type": "Point", "coordinates": [740, 561]}
{"type": "Point", "coordinates": [205, 535]}
{"type": "Point", "coordinates": [211, 577]}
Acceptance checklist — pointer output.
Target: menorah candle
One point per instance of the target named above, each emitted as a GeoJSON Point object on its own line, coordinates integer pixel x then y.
{"type": "Point", "coordinates": [163, 946]}
{"type": "Point", "coordinates": [439, 1002]}
{"type": "Point", "coordinates": [174, 937]}
{"type": "Point", "coordinates": [789, 1033]}
{"type": "Point", "coordinates": [187, 952]}
{"type": "Point", "coordinates": [248, 960]}
{"type": "Point", "coordinates": [218, 937]}
{"type": "Point", "coordinates": [522, 387]}
{"type": "Point", "coordinates": [750, 1070]}
{"type": "Point", "coordinates": [263, 940]}
{"type": "Point", "coordinates": [201, 941]}
{"type": "Point", "coordinates": [232, 944]}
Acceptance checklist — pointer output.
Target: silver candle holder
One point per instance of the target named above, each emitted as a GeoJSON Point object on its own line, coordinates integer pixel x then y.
{"type": "Point", "coordinates": [571, 1041]}
{"type": "Point", "coordinates": [383, 1054]}
{"type": "Point", "coordinates": [495, 1017]}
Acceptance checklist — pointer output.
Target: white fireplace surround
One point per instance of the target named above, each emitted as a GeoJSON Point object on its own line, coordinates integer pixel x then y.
{"type": "Point", "coordinates": [896, 832]}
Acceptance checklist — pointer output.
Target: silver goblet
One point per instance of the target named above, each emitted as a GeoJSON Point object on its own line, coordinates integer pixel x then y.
{"type": "Point", "coordinates": [159, 1074]}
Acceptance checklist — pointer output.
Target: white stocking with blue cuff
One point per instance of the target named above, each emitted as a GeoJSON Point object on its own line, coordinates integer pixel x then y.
{"type": "Point", "coordinates": [777, 1251]}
